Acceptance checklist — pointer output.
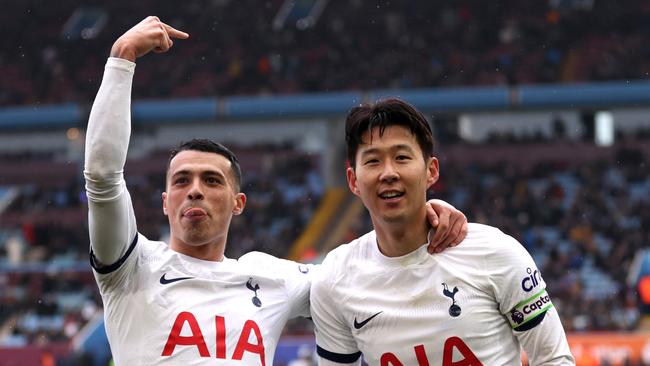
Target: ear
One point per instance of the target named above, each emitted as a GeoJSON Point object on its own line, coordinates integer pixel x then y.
{"type": "Point", "coordinates": [433, 172]}
{"type": "Point", "coordinates": [352, 181]}
{"type": "Point", "coordinates": [164, 201]}
{"type": "Point", "coordinates": [240, 203]}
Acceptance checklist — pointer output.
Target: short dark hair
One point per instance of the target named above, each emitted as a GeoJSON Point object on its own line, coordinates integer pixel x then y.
{"type": "Point", "coordinates": [206, 145]}
{"type": "Point", "coordinates": [381, 114]}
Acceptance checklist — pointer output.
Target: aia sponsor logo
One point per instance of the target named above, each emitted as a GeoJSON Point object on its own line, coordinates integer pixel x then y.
{"type": "Point", "coordinates": [187, 333]}
{"type": "Point", "coordinates": [453, 349]}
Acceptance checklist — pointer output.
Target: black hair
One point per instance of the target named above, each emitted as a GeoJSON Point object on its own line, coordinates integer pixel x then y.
{"type": "Point", "coordinates": [381, 114]}
{"type": "Point", "coordinates": [206, 145]}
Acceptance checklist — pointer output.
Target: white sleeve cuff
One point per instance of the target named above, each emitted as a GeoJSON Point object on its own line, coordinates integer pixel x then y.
{"type": "Point", "coordinates": [120, 63]}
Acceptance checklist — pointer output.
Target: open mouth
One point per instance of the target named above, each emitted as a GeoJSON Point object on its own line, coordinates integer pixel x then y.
{"type": "Point", "coordinates": [391, 195]}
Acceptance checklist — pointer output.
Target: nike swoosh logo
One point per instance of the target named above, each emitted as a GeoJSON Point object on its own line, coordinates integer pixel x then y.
{"type": "Point", "coordinates": [166, 281]}
{"type": "Point", "coordinates": [358, 325]}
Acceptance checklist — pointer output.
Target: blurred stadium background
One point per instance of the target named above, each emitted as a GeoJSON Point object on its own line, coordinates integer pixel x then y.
{"type": "Point", "coordinates": [541, 110]}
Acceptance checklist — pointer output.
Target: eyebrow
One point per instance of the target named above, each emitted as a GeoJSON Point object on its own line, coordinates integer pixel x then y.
{"type": "Point", "coordinates": [203, 173]}
{"type": "Point", "coordinates": [398, 147]}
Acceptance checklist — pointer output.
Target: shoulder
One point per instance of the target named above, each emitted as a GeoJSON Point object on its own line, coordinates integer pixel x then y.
{"type": "Point", "coordinates": [508, 263]}
{"type": "Point", "coordinates": [488, 248]}
{"type": "Point", "coordinates": [152, 248]}
{"type": "Point", "coordinates": [260, 262]}
{"type": "Point", "coordinates": [266, 261]}
{"type": "Point", "coordinates": [257, 258]}
{"type": "Point", "coordinates": [481, 232]}
{"type": "Point", "coordinates": [266, 265]}
{"type": "Point", "coordinates": [137, 253]}
{"type": "Point", "coordinates": [490, 238]}
{"type": "Point", "coordinates": [347, 255]}
{"type": "Point", "coordinates": [340, 263]}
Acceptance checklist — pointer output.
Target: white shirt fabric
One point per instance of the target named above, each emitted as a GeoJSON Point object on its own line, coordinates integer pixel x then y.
{"type": "Point", "coordinates": [162, 307]}
{"type": "Point", "coordinates": [421, 309]}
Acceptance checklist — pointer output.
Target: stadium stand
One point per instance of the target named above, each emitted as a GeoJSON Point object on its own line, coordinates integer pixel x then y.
{"type": "Point", "coordinates": [411, 44]}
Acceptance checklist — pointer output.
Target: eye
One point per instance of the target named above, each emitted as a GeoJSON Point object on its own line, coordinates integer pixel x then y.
{"type": "Point", "coordinates": [180, 180]}
{"type": "Point", "coordinates": [403, 157]}
{"type": "Point", "coordinates": [371, 161]}
{"type": "Point", "coordinates": [212, 180]}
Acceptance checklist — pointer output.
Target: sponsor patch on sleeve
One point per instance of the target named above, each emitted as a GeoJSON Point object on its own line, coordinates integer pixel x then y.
{"type": "Point", "coordinates": [528, 309]}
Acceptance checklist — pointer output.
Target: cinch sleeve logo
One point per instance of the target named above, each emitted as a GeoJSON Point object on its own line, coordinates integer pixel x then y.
{"type": "Point", "coordinates": [529, 309]}
{"type": "Point", "coordinates": [532, 280]}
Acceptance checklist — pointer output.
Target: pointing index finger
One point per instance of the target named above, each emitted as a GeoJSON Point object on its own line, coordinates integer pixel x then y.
{"type": "Point", "coordinates": [175, 33]}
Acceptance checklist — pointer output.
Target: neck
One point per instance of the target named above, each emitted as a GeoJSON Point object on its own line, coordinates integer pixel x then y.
{"type": "Point", "coordinates": [398, 239]}
{"type": "Point", "coordinates": [207, 252]}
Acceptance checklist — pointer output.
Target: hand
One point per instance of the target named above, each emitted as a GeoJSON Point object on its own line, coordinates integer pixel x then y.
{"type": "Point", "coordinates": [149, 35]}
{"type": "Point", "coordinates": [449, 223]}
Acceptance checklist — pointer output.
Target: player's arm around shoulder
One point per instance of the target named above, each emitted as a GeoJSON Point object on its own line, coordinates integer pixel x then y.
{"type": "Point", "coordinates": [521, 293]}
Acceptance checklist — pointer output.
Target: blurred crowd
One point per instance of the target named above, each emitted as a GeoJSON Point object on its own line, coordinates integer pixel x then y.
{"type": "Point", "coordinates": [235, 48]}
{"type": "Point", "coordinates": [48, 292]}
{"type": "Point", "coordinates": [583, 226]}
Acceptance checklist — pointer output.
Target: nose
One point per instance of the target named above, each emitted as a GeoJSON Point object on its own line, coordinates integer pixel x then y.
{"type": "Point", "coordinates": [196, 191]}
{"type": "Point", "coordinates": [389, 173]}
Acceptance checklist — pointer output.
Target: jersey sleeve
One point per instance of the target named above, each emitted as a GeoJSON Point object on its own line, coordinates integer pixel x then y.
{"type": "Point", "coordinates": [521, 293]}
{"type": "Point", "coordinates": [335, 344]}
{"type": "Point", "coordinates": [546, 344]}
{"type": "Point", "coordinates": [297, 284]}
{"type": "Point", "coordinates": [112, 225]}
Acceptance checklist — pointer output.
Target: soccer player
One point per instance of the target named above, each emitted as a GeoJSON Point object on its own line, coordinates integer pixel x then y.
{"type": "Point", "coordinates": [184, 303]}
{"type": "Point", "coordinates": [384, 297]}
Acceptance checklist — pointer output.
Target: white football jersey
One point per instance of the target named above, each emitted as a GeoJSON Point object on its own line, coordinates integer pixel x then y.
{"type": "Point", "coordinates": [166, 308]}
{"type": "Point", "coordinates": [459, 307]}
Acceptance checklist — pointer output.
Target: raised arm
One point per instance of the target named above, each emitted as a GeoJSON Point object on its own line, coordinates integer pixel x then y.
{"type": "Point", "coordinates": [111, 219]}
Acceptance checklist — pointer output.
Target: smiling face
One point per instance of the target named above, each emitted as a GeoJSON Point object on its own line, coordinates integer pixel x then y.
{"type": "Point", "coordinates": [201, 198]}
{"type": "Point", "coordinates": [391, 175]}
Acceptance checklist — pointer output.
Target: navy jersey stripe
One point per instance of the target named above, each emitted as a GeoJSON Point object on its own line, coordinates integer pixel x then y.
{"type": "Point", "coordinates": [110, 268]}
{"type": "Point", "coordinates": [337, 357]}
